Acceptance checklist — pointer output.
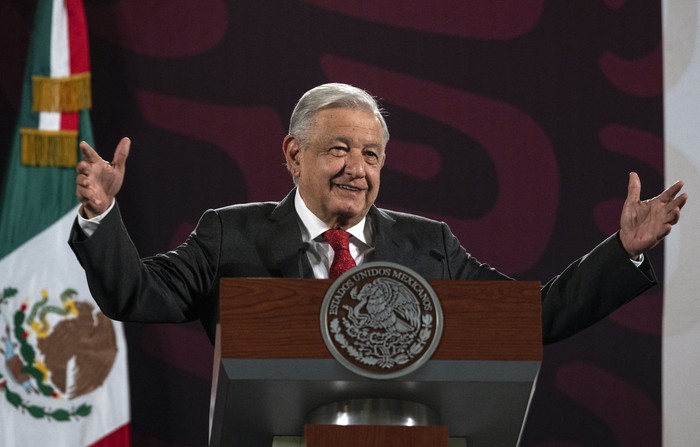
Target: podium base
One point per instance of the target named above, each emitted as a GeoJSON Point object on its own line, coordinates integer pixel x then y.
{"type": "Point", "coordinates": [298, 441]}
{"type": "Point", "coordinates": [375, 411]}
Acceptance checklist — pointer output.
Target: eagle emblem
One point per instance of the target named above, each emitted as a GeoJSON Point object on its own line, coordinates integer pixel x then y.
{"type": "Point", "coordinates": [55, 352]}
{"type": "Point", "coordinates": [381, 320]}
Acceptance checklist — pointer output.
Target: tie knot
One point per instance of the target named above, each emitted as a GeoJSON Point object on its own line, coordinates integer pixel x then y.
{"type": "Point", "coordinates": [342, 259]}
{"type": "Point", "coordinates": [338, 239]}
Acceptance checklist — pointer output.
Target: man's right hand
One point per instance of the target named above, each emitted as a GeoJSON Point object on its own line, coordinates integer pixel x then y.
{"type": "Point", "coordinates": [98, 180]}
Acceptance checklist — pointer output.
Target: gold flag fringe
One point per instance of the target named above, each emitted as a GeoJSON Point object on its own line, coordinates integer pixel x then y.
{"type": "Point", "coordinates": [57, 148]}
{"type": "Point", "coordinates": [68, 94]}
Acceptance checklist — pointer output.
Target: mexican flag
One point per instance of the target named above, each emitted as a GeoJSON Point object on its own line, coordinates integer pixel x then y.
{"type": "Point", "coordinates": [63, 368]}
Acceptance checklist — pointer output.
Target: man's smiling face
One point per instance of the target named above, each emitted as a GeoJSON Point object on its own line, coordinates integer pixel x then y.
{"type": "Point", "coordinates": [338, 170]}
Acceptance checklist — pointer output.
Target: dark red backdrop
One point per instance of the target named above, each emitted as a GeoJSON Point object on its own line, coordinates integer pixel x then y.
{"type": "Point", "coordinates": [516, 121]}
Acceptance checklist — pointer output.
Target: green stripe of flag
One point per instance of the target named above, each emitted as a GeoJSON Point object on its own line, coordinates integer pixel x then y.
{"type": "Point", "coordinates": [32, 198]}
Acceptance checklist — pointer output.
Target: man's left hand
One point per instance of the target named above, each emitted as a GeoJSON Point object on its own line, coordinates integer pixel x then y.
{"type": "Point", "coordinates": [644, 223]}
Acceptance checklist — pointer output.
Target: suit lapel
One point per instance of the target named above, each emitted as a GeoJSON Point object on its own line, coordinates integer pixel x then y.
{"type": "Point", "coordinates": [285, 243]}
{"type": "Point", "coordinates": [387, 246]}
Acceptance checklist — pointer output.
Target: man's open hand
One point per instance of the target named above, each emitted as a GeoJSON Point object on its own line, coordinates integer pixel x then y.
{"type": "Point", "coordinates": [98, 180]}
{"type": "Point", "coordinates": [644, 223]}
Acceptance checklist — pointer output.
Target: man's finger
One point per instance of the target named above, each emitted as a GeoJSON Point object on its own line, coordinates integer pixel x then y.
{"type": "Point", "coordinates": [681, 200]}
{"type": "Point", "coordinates": [672, 190]}
{"type": "Point", "coordinates": [678, 202]}
{"type": "Point", "coordinates": [89, 154]}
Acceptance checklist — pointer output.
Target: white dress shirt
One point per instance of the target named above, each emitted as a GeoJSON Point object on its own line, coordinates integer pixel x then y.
{"type": "Point", "coordinates": [90, 225]}
{"type": "Point", "coordinates": [320, 253]}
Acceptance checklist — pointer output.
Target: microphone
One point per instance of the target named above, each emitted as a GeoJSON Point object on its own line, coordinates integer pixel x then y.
{"type": "Point", "coordinates": [301, 252]}
{"type": "Point", "coordinates": [443, 259]}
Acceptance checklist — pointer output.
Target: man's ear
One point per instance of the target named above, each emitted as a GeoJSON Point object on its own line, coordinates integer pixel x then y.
{"type": "Point", "coordinates": [292, 152]}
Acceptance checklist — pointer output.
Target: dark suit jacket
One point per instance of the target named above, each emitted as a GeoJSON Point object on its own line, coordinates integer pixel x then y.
{"type": "Point", "coordinates": [264, 240]}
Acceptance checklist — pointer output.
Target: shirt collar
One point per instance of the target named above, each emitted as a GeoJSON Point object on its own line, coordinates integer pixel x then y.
{"type": "Point", "coordinates": [313, 227]}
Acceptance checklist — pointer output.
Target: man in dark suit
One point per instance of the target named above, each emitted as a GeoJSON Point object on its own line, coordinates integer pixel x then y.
{"type": "Point", "coordinates": [335, 151]}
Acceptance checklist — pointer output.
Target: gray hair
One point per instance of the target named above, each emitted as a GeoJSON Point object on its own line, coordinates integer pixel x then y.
{"type": "Point", "coordinates": [328, 96]}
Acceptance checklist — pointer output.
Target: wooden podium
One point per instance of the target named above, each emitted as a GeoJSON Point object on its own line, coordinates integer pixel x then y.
{"type": "Point", "coordinates": [272, 368]}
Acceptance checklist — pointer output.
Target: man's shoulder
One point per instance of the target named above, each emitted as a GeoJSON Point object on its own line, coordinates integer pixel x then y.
{"type": "Point", "coordinates": [274, 210]}
{"type": "Point", "coordinates": [245, 212]}
{"type": "Point", "coordinates": [250, 207]}
{"type": "Point", "coordinates": [402, 217]}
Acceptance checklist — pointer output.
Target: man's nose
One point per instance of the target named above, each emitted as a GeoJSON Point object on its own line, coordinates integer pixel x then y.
{"type": "Point", "coordinates": [355, 164]}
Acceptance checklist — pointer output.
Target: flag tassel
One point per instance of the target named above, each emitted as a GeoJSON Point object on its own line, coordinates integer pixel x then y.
{"type": "Point", "coordinates": [65, 94]}
{"type": "Point", "coordinates": [49, 147]}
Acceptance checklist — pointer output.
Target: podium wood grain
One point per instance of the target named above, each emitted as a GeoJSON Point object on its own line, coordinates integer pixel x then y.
{"type": "Point", "coordinates": [268, 318]}
{"type": "Point", "coordinates": [316, 435]}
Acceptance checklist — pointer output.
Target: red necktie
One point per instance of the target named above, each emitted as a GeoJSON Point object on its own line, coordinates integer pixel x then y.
{"type": "Point", "coordinates": [342, 259]}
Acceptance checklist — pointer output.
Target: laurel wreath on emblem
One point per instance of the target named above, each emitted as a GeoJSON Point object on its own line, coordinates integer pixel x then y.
{"type": "Point", "coordinates": [373, 344]}
{"type": "Point", "coordinates": [24, 363]}
{"type": "Point", "coordinates": [385, 361]}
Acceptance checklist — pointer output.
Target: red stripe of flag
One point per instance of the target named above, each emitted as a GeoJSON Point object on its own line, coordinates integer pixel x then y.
{"type": "Point", "coordinates": [77, 37]}
{"type": "Point", "coordinates": [120, 437]}
{"type": "Point", "coordinates": [78, 52]}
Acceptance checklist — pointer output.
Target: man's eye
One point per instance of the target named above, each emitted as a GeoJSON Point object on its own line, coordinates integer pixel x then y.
{"type": "Point", "coordinates": [371, 157]}
{"type": "Point", "coordinates": [338, 150]}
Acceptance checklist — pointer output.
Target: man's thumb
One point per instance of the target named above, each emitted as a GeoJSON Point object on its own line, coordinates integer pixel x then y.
{"type": "Point", "coordinates": [634, 187]}
{"type": "Point", "coordinates": [121, 153]}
